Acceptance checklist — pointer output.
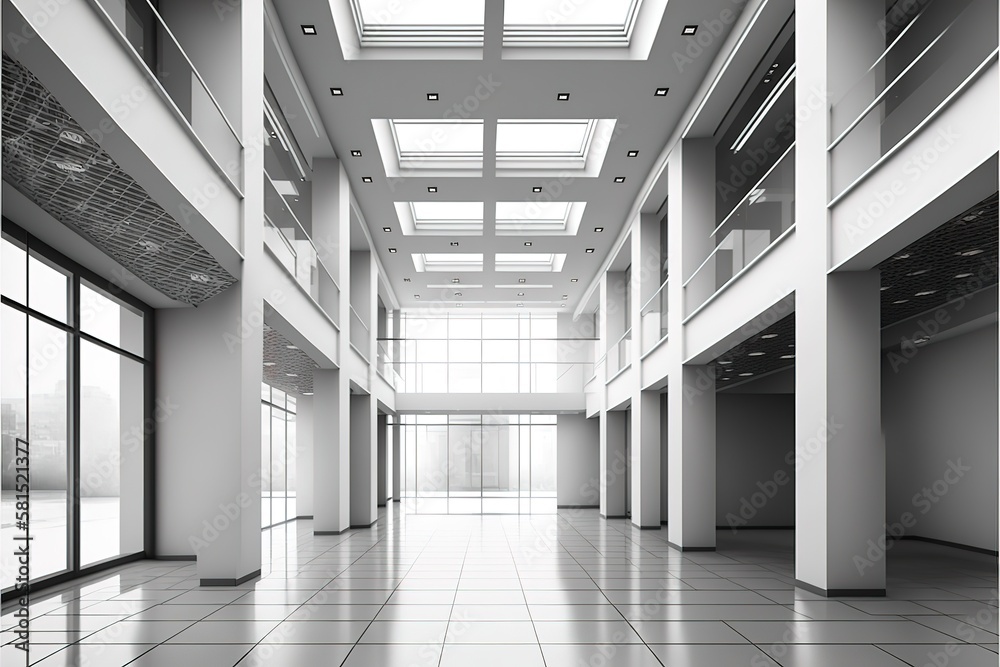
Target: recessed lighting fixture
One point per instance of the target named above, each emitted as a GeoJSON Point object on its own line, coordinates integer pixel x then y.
{"type": "Point", "coordinates": [307, 393]}
{"type": "Point", "coordinates": [619, 179]}
{"type": "Point", "coordinates": [598, 229]}
{"type": "Point", "coordinates": [537, 188]}
{"type": "Point", "coordinates": [432, 97]}
{"type": "Point", "coordinates": [903, 256]}
{"type": "Point", "coordinates": [756, 354]}
{"type": "Point", "coordinates": [917, 273]}
{"type": "Point", "coordinates": [768, 336]}
{"type": "Point", "coordinates": [355, 153]}
{"type": "Point", "coordinates": [291, 347]}
{"type": "Point", "coordinates": [337, 92]}
{"type": "Point", "coordinates": [901, 301]}
{"type": "Point", "coordinates": [387, 229]}
{"type": "Point", "coordinates": [459, 305]}
{"type": "Point", "coordinates": [970, 218]}
{"type": "Point", "coordinates": [882, 289]}
{"type": "Point", "coordinates": [926, 292]}
{"type": "Point", "coordinates": [574, 280]}
{"type": "Point", "coordinates": [521, 280]}
{"type": "Point", "coordinates": [520, 305]}
{"type": "Point", "coordinates": [565, 296]}
{"type": "Point", "coordinates": [527, 244]}
{"type": "Point", "coordinates": [454, 244]}
{"type": "Point", "coordinates": [416, 296]}
{"type": "Point", "coordinates": [726, 379]}
{"type": "Point", "coordinates": [200, 278]}
{"type": "Point", "coordinates": [590, 251]}
{"type": "Point", "coordinates": [633, 153]}
{"type": "Point", "coordinates": [767, 81]}
{"type": "Point", "coordinates": [562, 97]}
{"type": "Point", "coordinates": [970, 253]}
{"type": "Point", "coordinates": [962, 276]}
{"type": "Point", "coordinates": [788, 356]}
{"type": "Point", "coordinates": [406, 280]}
{"type": "Point", "coordinates": [292, 375]}
{"type": "Point", "coordinates": [562, 305]}
{"type": "Point", "coordinates": [725, 363]}
{"type": "Point", "coordinates": [458, 294]}
{"type": "Point", "coordinates": [921, 340]}
{"type": "Point", "coordinates": [455, 280]}
{"type": "Point", "coordinates": [661, 92]}
{"type": "Point", "coordinates": [746, 375]}
{"type": "Point", "coordinates": [432, 188]}
{"type": "Point", "coordinates": [308, 30]}
{"type": "Point", "coordinates": [392, 251]}
{"type": "Point", "coordinates": [366, 179]}
{"type": "Point", "coordinates": [520, 293]}
{"type": "Point", "coordinates": [269, 363]}
{"type": "Point", "coordinates": [689, 30]}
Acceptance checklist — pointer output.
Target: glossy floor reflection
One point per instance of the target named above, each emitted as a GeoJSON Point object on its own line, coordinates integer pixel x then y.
{"type": "Point", "coordinates": [556, 590]}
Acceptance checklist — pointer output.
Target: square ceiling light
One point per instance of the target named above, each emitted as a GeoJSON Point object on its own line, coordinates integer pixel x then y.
{"type": "Point", "coordinates": [532, 147]}
{"type": "Point", "coordinates": [443, 218]}
{"type": "Point", "coordinates": [430, 147]}
{"type": "Point", "coordinates": [418, 22]}
{"type": "Point", "coordinates": [555, 23]}
{"type": "Point", "coordinates": [526, 218]}
{"type": "Point", "coordinates": [453, 262]}
{"type": "Point", "coordinates": [530, 262]}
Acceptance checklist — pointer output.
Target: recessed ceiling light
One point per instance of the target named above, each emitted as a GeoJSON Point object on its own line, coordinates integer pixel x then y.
{"type": "Point", "coordinates": [336, 92]}
{"type": "Point", "coordinates": [387, 229]}
{"type": "Point", "coordinates": [366, 179]}
{"type": "Point", "coordinates": [307, 393]}
{"type": "Point", "coordinates": [291, 347]}
{"type": "Point", "coordinates": [562, 97]}
{"type": "Point", "coordinates": [756, 354]}
{"type": "Point", "coordinates": [661, 92]}
{"type": "Point", "coordinates": [432, 188]}
{"type": "Point", "coordinates": [520, 293]}
{"type": "Point", "coordinates": [917, 273]}
{"type": "Point", "coordinates": [459, 305]}
{"type": "Point", "coordinates": [598, 229]}
{"type": "Point", "coordinates": [292, 375]}
{"type": "Point", "coordinates": [458, 294]}
{"type": "Point", "coordinates": [200, 278]}
{"type": "Point", "coordinates": [689, 30]}
{"type": "Point", "coordinates": [921, 340]}
{"type": "Point", "coordinates": [769, 336]}
{"type": "Point", "coordinates": [882, 289]}
{"type": "Point", "coordinates": [903, 256]}
{"type": "Point", "coordinates": [963, 275]}
{"type": "Point", "coordinates": [521, 280]}
{"type": "Point", "coordinates": [527, 244]}
{"type": "Point", "coordinates": [590, 251]}
{"type": "Point", "coordinates": [574, 280]}
{"type": "Point", "coordinates": [406, 280]}
{"type": "Point", "coordinates": [725, 363]}
{"type": "Point", "coordinates": [746, 375]}
{"type": "Point", "coordinates": [308, 30]}
{"type": "Point", "coordinates": [901, 301]}
{"type": "Point", "coordinates": [356, 153]}
{"type": "Point", "coordinates": [432, 97]}
{"type": "Point", "coordinates": [562, 305]}
{"type": "Point", "coordinates": [269, 363]}
{"type": "Point", "coordinates": [970, 218]}
{"type": "Point", "coordinates": [453, 244]}
{"type": "Point", "coordinates": [927, 292]}
{"type": "Point", "coordinates": [633, 153]}
{"type": "Point", "coordinates": [520, 305]}
{"type": "Point", "coordinates": [455, 280]}
{"type": "Point", "coordinates": [970, 253]}
{"type": "Point", "coordinates": [416, 296]}
{"type": "Point", "coordinates": [788, 356]}
{"type": "Point", "coordinates": [619, 179]}
{"type": "Point", "coordinates": [565, 296]}
{"type": "Point", "coordinates": [537, 188]}
{"type": "Point", "coordinates": [392, 250]}
{"type": "Point", "coordinates": [726, 379]}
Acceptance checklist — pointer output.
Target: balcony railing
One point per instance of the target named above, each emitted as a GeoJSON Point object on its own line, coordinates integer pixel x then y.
{"type": "Point", "coordinates": [654, 319]}
{"type": "Point", "coordinates": [939, 53]}
{"type": "Point", "coordinates": [767, 212]}
{"type": "Point", "coordinates": [153, 44]}
{"type": "Point", "coordinates": [359, 335]}
{"type": "Point", "coordinates": [386, 367]}
{"type": "Point", "coordinates": [620, 355]}
{"type": "Point", "coordinates": [287, 240]}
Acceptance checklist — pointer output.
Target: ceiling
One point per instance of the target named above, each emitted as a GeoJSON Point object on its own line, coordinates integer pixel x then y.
{"type": "Point", "coordinates": [285, 366]}
{"type": "Point", "coordinates": [498, 84]}
{"type": "Point", "coordinates": [50, 159]}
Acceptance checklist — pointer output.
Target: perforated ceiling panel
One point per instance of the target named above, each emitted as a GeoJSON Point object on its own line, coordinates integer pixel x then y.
{"type": "Point", "coordinates": [285, 366]}
{"type": "Point", "coordinates": [53, 162]}
{"type": "Point", "coordinates": [770, 350]}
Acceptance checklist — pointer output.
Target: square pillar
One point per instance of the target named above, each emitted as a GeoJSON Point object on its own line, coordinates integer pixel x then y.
{"type": "Point", "coordinates": [331, 452]}
{"type": "Point", "coordinates": [382, 427]}
{"type": "Point", "coordinates": [364, 461]}
{"type": "Point", "coordinates": [613, 466]}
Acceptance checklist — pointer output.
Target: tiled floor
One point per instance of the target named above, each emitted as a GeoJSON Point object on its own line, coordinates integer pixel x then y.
{"type": "Point", "coordinates": [568, 590]}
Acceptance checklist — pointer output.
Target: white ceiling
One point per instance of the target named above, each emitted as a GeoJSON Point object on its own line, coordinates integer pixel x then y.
{"type": "Point", "coordinates": [502, 85]}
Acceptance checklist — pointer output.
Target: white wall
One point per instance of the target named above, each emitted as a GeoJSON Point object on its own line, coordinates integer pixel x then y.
{"type": "Point", "coordinates": [755, 484]}
{"type": "Point", "coordinates": [577, 460]}
{"type": "Point", "coordinates": [304, 455]}
{"type": "Point", "coordinates": [940, 407]}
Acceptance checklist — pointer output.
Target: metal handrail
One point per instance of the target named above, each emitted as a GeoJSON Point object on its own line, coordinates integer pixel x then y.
{"type": "Point", "coordinates": [653, 298]}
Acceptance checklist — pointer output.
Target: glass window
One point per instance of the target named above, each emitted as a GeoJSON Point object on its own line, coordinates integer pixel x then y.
{"type": "Point", "coordinates": [15, 270]}
{"type": "Point", "coordinates": [110, 319]}
{"type": "Point", "coordinates": [14, 421]}
{"type": "Point", "coordinates": [48, 288]}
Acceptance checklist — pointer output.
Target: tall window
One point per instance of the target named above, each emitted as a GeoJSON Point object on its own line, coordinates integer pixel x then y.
{"type": "Point", "coordinates": [74, 376]}
{"type": "Point", "coordinates": [277, 456]}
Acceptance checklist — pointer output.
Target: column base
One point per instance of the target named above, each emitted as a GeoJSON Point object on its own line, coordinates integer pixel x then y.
{"type": "Point", "coordinates": [680, 548]}
{"type": "Point", "coordinates": [656, 527]}
{"type": "Point", "coordinates": [330, 532]}
{"type": "Point", "coordinates": [613, 516]}
{"type": "Point", "coordinates": [230, 582]}
{"type": "Point", "coordinates": [364, 525]}
{"type": "Point", "coordinates": [842, 592]}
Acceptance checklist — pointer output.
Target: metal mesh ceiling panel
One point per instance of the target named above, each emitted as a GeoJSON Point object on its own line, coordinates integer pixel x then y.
{"type": "Point", "coordinates": [285, 367]}
{"type": "Point", "coordinates": [53, 162]}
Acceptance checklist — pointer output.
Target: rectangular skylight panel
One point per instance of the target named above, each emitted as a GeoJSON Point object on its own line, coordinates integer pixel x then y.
{"type": "Point", "coordinates": [428, 14]}
{"type": "Point", "coordinates": [453, 257]}
{"type": "Point", "coordinates": [543, 138]}
{"type": "Point", "coordinates": [447, 211]}
{"type": "Point", "coordinates": [526, 212]}
{"type": "Point", "coordinates": [539, 258]}
{"type": "Point", "coordinates": [559, 14]}
{"type": "Point", "coordinates": [438, 139]}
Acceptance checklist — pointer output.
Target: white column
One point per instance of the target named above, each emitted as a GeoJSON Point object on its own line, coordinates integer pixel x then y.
{"type": "Point", "coordinates": [382, 428]}
{"type": "Point", "coordinates": [645, 464]}
{"type": "Point", "coordinates": [690, 389]}
{"type": "Point", "coordinates": [613, 464]}
{"type": "Point", "coordinates": [364, 461]}
{"type": "Point", "coordinates": [840, 455]}
{"type": "Point", "coordinates": [304, 415]}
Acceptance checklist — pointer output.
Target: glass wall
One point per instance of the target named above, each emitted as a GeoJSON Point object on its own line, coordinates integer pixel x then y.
{"type": "Point", "coordinates": [473, 464]}
{"type": "Point", "coordinates": [277, 456]}
{"type": "Point", "coordinates": [69, 340]}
